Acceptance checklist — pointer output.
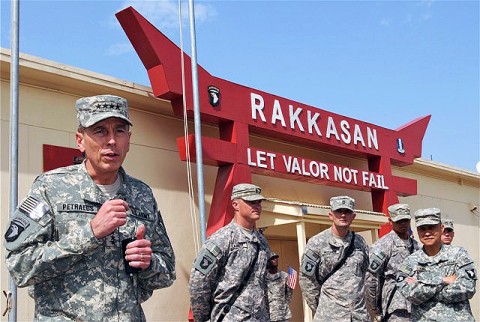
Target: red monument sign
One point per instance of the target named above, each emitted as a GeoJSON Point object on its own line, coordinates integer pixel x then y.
{"type": "Point", "coordinates": [239, 111]}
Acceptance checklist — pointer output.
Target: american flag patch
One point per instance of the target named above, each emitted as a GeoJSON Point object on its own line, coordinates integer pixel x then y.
{"type": "Point", "coordinates": [292, 278]}
{"type": "Point", "coordinates": [34, 208]}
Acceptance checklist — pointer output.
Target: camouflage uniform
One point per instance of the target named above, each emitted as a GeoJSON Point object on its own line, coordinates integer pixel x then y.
{"type": "Point", "coordinates": [279, 296]}
{"type": "Point", "coordinates": [341, 297]}
{"type": "Point", "coordinates": [386, 256]}
{"type": "Point", "coordinates": [432, 299]}
{"type": "Point", "coordinates": [76, 276]}
{"type": "Point", "coordinates": [220, 268]}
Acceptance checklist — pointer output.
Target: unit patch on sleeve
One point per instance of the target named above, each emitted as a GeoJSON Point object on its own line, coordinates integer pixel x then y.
{"type": "Point", "coordinates": [471, 273]}
{"type": "Point", "coordinates": [207, 259]}
{"type": "Point", "coordinates": [16, 227]}
{"type": "Point", "coordinates": [376, 261]}
{"type": "Point", "coordinates": [309, 262]}
{"type": "Point", "coordinates": [34, 208]}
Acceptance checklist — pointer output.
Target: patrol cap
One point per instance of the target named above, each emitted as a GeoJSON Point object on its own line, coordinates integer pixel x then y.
{"type": "Point", "coordinates": [399, 211]}
{"type": "Point", "coordinates": [447, 224]}
{"type": "Point", "coordinates": [273, 255]}
{"type": "Point", "coordinates": [247, 191]}
{"type": "Point", "coordinates": [93, 109]}
{"type": "Point", "coordinates": [342, 202]}
{"type": "Point", "coordinates": [428, 216]}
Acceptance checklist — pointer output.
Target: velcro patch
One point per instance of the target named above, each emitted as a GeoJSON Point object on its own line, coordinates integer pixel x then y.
{"type": "Point", "coordinates": [34, 208]}
{"type": "Point", "coordinates": [376, 261]}
{"type": "Point", "coordinates": [309, 262]}
{"type": "Point", "coordinates": [400, 278]}
{"type": "Point", "coordinates": [471, 273]}
{"type": "Point", "coordinates": [16, 227]}
{"type": "Point", "coordinates": [205, 261]}
{"type": "Point", "coordinates": [77, 207]}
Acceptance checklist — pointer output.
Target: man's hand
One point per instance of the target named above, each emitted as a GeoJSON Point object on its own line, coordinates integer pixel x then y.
{"type": "Point", "coordinates": [450, 279]}
{"type": "Point", "coordinates": [109, 217]}
{"type": "Point", "coordinates": [139, 252]}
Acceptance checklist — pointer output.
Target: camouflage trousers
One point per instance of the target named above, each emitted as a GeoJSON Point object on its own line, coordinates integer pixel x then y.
{"type": "Point", "coordinates": [400, 316]}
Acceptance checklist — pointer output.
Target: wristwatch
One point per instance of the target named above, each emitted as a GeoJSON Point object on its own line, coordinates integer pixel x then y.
{"type": "Point", "coordinates": [378, 318]}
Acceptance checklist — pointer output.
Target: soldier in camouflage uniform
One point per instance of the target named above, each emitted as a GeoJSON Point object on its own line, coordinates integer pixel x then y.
{"type": "Point", "coordinates": [438, 279]}
{"type": "Point", "coordinates": [384, 301]}
{"type": "Point", "coordinates": [448, 232]}
{"type": "Point", "coordinates": [66, 237]}
{"type": "Point", "coordinates": [279, 293]}
{"type": "Point", "coordinates": [228, 278]}
{"type": "Point", "coordinates": [333, 267]}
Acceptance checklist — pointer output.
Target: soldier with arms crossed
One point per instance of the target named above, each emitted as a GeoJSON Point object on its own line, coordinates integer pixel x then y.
{"type": "Point", "coordinates": [333, 267]}
{"type": "Point", "coordinates": [228, 278]}
{"type": "Point", "coordinates": [72, 236]}
{"type": "Point", "coordinates": [439, 280]}
{"type": "Point", "coordinates": [384, 301]}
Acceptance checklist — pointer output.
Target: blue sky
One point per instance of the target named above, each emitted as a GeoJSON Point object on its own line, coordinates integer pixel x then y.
{"type": "Point", "coordinates": [383, 62]}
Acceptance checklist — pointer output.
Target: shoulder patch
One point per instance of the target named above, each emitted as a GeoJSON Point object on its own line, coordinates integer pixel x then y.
{"type": "Point", "coordinates": [400, 278]}
{"type": "Point", "coordinates": [16, 227]}
{"type": "Point", "coordinates": [310, 260]}
{"type": "Point", "coordinates": [376, 261]}
{"type": "Point", "coordinates": [34, 208]}
{"type": "Point", "coordinates": [471, 273]}
{"type": "Point", "coordinates": [207, 258]}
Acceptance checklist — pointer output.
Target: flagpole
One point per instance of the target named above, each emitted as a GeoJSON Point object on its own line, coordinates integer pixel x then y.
{"type": "Point", "coordinates": [13, 164]}
{"type": "Point", "coordinates": [197, 123]}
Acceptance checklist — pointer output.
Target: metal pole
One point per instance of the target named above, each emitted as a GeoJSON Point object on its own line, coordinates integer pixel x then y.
{"type": "Point", "coordinates": [198, 124]}
{"type": "Point", "coordinates": [13, 166]}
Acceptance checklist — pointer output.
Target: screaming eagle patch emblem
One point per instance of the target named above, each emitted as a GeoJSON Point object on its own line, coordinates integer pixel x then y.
{"type": "Point", "coordinates": [214, 95]}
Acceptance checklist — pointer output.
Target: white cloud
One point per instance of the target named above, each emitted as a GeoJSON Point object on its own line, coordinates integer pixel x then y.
{"type": "Point", "coordinates": [119, 49]}
{"type": "Point", "coordinates": [164, 14]}
{"type": "Point", "coordinates": [386, 22]}
{"type": "Point", "coordinates": [427, 3]}
{"type": "Point", "coordinates": [425, 16]}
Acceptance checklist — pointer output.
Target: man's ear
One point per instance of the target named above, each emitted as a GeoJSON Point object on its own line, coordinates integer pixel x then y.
{"type": "Point", "coordinates": [330, 215]}
{"type": "Point", "coordinates": [79, 139]}
{"type": "Point", "coordinates": [235, 205]}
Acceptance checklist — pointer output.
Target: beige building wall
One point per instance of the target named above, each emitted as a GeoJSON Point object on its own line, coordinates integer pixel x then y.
{"type": "Point", "coordinates": [48, 92]}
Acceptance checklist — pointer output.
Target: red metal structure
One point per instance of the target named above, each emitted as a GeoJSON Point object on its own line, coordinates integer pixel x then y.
{"type": "Point", "coordinates": [239, 111]}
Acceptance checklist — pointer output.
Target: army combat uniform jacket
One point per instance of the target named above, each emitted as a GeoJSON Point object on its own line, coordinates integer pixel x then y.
{"type": "Point", "coordinates": [77, 277]}
{"type": "Point", "coordinates": [386, 256]}
{"type": "Point", "coordinates": [432, 299]}
{"type": "Point", "coordinates": [218, 271]}
{"type": "Point", "coordinates": [341, 297]}
{"type": "Point", "coordinates": [279, 296]}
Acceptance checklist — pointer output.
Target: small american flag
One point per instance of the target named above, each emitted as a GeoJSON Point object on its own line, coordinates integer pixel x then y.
{"type": "Point", "coordinates": [292, 278]}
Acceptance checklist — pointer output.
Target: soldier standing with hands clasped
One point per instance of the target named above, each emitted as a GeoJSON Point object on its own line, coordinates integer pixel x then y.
{"type": "Point", "coordinates": [384, 301]}
{"type": "Point", "coordinates": [438, 280]}
{"type": "Point", "coordinates": [66, 236]}
{"type": "Point", "coordinates": [333, 267]}
{"type": "Point", "coordinates": [279, 292]}
{"type": "Point", "coordinates": [228, 278]}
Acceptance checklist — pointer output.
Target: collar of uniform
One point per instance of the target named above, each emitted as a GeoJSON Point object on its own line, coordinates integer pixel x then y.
{"type": "Point", "coordinates": [334, 240]}
{"type": "Point", "coordinates": [241, 236]}
{"type": "Point", "coordinates": [442, 256]}
{"type": "Point", "coordinates": [90, 191]}
{"type": "Point", "coordinates": [397, 240]}
{"type": "Point", "coordinates": [273, 277]}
